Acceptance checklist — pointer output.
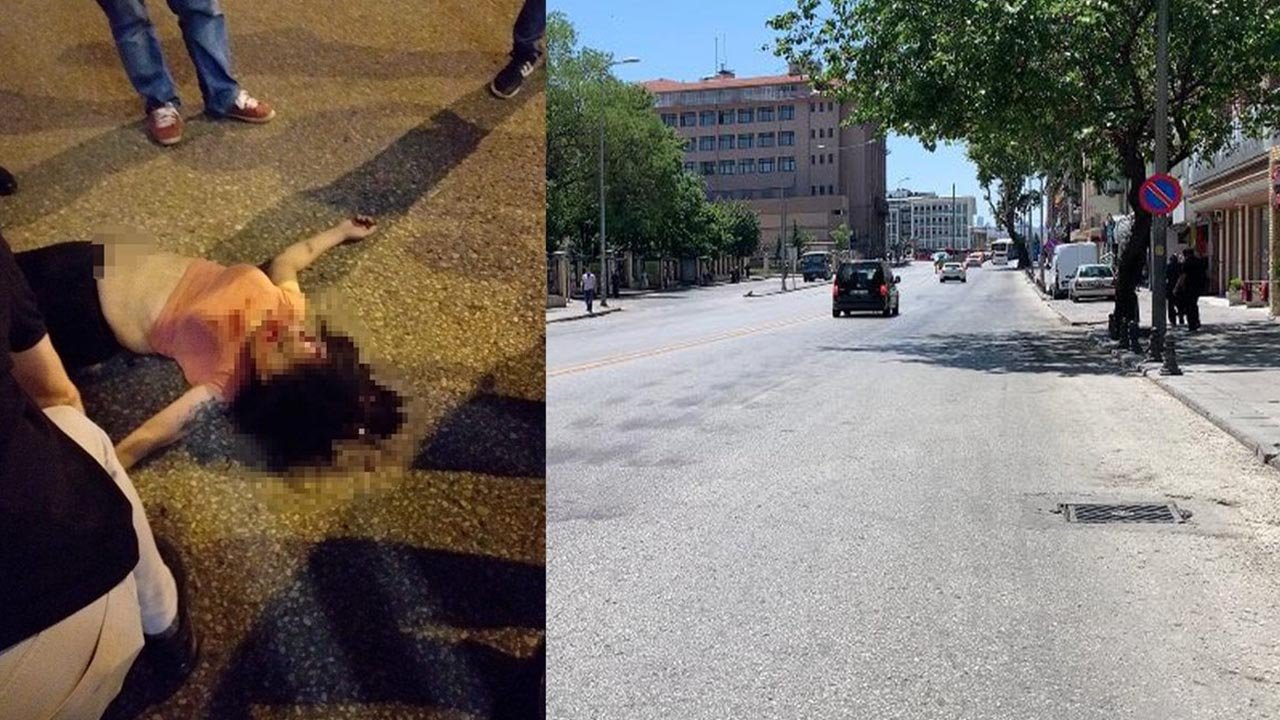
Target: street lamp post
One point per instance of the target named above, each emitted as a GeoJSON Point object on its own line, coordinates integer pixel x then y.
{"type": "Point", "coordinates": [604, 256]}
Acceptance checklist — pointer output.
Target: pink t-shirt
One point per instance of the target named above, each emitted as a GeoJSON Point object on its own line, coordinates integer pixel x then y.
{"type": "Point", "coordinates": [205, 322]}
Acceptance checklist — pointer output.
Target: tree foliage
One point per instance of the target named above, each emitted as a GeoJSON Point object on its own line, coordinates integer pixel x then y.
{"type": "Point", "coordinates": [1048, 81]}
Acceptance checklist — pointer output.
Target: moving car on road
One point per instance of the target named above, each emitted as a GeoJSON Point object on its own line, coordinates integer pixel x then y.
{"type": "Point", "coordinates": [865, 286]}
{"type": "Point", "coordinates": [1093, 281]}
{"type": "Point", "coordinates": [974, 260]}
{"type": "Point", "coordinates": [952, 271]}
{"type": "Point", "coordinates": [1000, 252]}
{"type": "Point", "coordinates": [815, 265]}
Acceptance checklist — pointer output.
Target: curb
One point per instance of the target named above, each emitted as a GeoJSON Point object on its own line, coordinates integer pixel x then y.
{"type": "Point", "coordinates": [1267, 453]}
{"type": "Point", "coordinates": [754, 294]}
{"type": "Point", "coordinates": [1061, 315]}
{"type": "Point", "coordinates": [597, 314]}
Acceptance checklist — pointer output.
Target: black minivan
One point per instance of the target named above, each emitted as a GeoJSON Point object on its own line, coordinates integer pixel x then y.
{"type": "Point", "coordinates": [865, 286]}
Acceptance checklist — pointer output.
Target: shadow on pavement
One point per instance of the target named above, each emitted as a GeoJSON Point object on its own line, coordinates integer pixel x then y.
{"type": "Point", "coordinates": [1251, 345]}
{"type": "Point", "coordinates": [490, 435]}
{"type": "Point", "coordinates": [1064, 354]}
{"type": "Point", "coordinates": [370, 623]}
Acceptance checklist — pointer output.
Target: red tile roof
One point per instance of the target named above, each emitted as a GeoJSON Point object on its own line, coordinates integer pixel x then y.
{"type": "Point", "coordinates": [664, 85]}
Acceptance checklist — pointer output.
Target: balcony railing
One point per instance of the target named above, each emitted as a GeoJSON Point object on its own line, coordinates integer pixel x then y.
{"type": "Point", "coordinates": [1243, 151]}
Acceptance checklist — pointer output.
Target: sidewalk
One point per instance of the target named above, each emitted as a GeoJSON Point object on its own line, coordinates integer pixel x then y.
{"type": "Point", "coordinates": [1231, 368]}
{"type": "Point", "coordinates": [577, 309]}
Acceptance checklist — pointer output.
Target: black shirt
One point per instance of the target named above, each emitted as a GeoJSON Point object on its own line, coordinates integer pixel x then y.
{"type": "Point", "coordinates": [66, 530]}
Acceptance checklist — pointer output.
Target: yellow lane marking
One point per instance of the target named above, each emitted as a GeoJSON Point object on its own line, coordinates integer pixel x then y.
{"type": "Point", "coordinates": [628, 357]}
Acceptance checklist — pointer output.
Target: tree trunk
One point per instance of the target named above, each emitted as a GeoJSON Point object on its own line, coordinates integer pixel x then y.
{"type": "Point", "coordinates": [1134, 257]}
{"type": "Point", "coordinates": [1010, 223]}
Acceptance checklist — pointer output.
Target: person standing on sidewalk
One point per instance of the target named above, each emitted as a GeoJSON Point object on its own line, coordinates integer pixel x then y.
{"type": "Point", "coordinates": [588, 288]}
{"type": "Point", "coordinates": [1191, 283]}
{"type": "Point", "coordinates": [531, 25]}
{"type": "Point", "coordinates": [84, 584]}
{"type": "Point", "coordinates": [204, 30]}
{"type": "Point", "coordinates": [1172, 273]}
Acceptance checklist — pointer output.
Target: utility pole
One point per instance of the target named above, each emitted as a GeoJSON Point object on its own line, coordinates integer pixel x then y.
{"type": "Point", "coordinates": [1160, 223]}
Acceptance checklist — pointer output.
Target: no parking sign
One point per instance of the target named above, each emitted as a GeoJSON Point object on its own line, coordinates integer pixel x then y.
{"type": "Point", "coordinates": [1160, 194]}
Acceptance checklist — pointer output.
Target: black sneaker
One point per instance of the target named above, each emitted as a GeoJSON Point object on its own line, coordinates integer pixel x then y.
{"type": "Point", "coordinates": [174, 653]}
{"type": "Point", "coordinates": [8, 185]}
{"type": "Point", "coordinates": [509, 79]}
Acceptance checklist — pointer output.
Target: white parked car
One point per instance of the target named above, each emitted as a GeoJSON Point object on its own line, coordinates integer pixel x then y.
{"type": "Point", "coordinates": [1093, 281]}
{"type": "Point", "coordinates": [952, 271]}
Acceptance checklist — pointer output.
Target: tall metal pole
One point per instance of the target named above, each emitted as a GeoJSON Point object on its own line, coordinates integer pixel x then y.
{"type": "Point", "coordinates": [1160, 223]}
{"type": "Point", "coordinates": [603, 282]}
{"type": "Point", "coordinates": [953, 214]}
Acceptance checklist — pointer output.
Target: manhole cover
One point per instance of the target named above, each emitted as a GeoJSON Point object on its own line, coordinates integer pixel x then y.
{"type": "Point", "coordinates": [1109, 513]}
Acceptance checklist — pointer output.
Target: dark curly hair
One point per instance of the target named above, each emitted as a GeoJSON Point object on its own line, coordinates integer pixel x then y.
{"type": "Point", "coordinates": [299, 416]}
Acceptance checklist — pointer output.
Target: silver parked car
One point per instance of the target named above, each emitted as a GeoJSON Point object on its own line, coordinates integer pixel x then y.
{"type": "Point", "coordinates": [1093, 281]}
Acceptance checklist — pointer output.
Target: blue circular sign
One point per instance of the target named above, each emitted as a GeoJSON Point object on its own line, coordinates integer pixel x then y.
{"type": "Point", "coordinates": [1160, 194]}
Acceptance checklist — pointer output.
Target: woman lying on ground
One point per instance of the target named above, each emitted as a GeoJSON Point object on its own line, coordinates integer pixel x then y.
{"type": "Point", "coordinates": [237, 332]}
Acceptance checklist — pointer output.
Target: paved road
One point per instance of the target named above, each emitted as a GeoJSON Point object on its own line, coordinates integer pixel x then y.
{"type": "Point", "coordinates": [774, 513]}
{"type": "Point", "coordinates": [414, 589]}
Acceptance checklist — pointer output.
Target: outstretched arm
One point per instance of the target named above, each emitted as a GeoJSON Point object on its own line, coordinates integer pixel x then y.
{"type": "Point", "coordinates": [165, 427]}
{"type": "Point", "coordinates": [295, 258]}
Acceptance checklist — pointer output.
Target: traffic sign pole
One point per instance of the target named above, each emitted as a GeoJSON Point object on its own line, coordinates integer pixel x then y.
{"type": "Point", "coordinates": [1160, 223]}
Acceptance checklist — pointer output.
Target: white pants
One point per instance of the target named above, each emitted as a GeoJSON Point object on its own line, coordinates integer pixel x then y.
{"type": "Point", "coordinates": [73, 670]}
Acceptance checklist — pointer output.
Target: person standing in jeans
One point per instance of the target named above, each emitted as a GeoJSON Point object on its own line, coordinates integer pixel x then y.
{"type": "Point", "coordinates": [1172, 272]}
{"type": "Point", "coordinates": [530, 26]}
{"type": "Point", "coordinates": [204, 31]}
{"type": "Point", "coordinates": [588, 288]}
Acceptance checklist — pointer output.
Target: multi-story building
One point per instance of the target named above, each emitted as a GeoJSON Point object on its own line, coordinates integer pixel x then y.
{"type": "Point", "coordinates": [926, 221]}
{"type": "Point", "coordinates": [776, 144]}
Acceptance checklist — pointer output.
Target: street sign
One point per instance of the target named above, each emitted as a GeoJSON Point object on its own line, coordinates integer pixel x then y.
{"type": "Point", "coordinates": [1160, 194]}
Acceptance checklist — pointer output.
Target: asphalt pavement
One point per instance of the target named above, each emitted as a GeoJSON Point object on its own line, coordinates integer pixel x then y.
{"type": "Point", "coordinates": [757, 510]}
{"type": "Point", "coordinates": [408, 585]}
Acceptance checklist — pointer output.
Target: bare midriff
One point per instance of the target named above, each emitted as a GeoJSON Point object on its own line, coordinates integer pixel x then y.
{"type": "Point", "coordinates": [135, 286]}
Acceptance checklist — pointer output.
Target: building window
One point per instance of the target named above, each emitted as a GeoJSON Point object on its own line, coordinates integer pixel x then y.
{"type": "Point", "coordinates": [688, 119]}
{"type": "Point", "coordinates": [707, 117]}
{"type": "Point", "coordinates": [746, 115]}
{"type": "Point", "coordinates": [669, 119]}
{"type": "Point", "coordinates": [765, 165]}
{"type": "Point", "coordinates": [746, 166]}
{"type": "Point", "coordinates": [690, 166]}
{"type": "Point", "coordinates": [766, 139]}
{"type": "Point", "coordinates": [746, 142]}
{"type": "Point", "coordinates": [726, 167]}
{"type": "Point", "coordinates": [813, 189]}
{"type": "Point", "coordinates": [786, 112]}
{"type": "Point", "coordinates": [813, 134]}
{"type": "Point", "coordinates": [831, 157]}
{"type": "Point", "coordinates": [831, 189]}
{"type": "Point", "coordinates": [813, 159]}
{"type": "Point", "coordinates": [764, 114]}
{"type": "Point", "coordinates": [707, 142]}
{"type": "Point", "coordinates": [787, 164]}
{"type": "Point", "coordinates": [726, 142]}
{"type": "Point", "coordinates": [708, 167]}
{"type": "Point", "coordinates": [786, 137]}
{"type": "Point", "coordinates": [822, 189]}
{"type": "Point", "coordinates": [726, 117]}
{"type": "Point", "coordinates": [822, 160]}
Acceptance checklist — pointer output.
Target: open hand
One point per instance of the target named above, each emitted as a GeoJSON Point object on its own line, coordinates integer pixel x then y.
{"type": "Point", "coordinates": [358, 227]}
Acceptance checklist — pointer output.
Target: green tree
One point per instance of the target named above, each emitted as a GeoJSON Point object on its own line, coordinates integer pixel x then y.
{"type": "Point", "coordinates": [841, 236]}
{"type": "Point", "coordinates": [642, 162]}
{"type": "Point", "coordinates": [1035, 75]}
{"type": "Point", "coordinates": [741, 227]}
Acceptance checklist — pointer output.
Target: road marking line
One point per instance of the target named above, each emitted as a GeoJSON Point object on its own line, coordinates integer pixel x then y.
{"type": "Point", "coordinates": [627, 357]}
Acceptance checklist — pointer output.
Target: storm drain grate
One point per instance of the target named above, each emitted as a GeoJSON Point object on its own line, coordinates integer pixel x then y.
{"type": "Point", "coordinates": [1110, 513]}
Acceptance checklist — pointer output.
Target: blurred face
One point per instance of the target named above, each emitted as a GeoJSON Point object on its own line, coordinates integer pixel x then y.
{"type": "Point", "coordinates": [277, 347]}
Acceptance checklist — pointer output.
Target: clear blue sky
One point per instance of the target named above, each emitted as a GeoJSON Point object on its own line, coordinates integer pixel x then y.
{"type": "Point", "coordinates": [677, 40]}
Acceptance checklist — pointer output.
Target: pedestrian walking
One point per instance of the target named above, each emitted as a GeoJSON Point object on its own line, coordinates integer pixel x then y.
{"type": "Point", "coordinates": [531, 25]}
{"type": "Point", "coordinates": [204, 31]}
{"type": "Point", "coordinates": [1192, 282]}
{"type": "Point", "coordinates": [589, 288]}
{"type": "Point", "coordinates": [84, 584]}
{"type": "Point", "coordinates": [615, 284]}
{"type": "Point", "coordinates": [1172, 273]}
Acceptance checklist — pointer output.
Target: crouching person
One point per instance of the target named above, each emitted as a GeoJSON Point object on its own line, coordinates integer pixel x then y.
{"type": "Point", "coordinates": [84, 586]}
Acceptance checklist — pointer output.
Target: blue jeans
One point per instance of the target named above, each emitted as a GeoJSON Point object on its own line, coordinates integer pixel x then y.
{"type": "Point", "coordinates": [588, 296]}
{"type": "Point", "coordinates": [531, 25]}
{"type": "Point", "coordinates": [204, 30]}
